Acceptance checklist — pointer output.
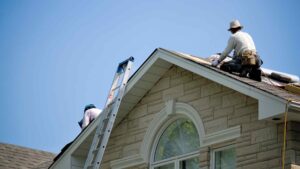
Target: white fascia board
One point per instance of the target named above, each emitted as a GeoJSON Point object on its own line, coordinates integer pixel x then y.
{"type": "Point", "coordinates": [268, 108]}
{"type": "Point", "coordinates": [295, 105]}
{"type": "Point", "coordinates": [269, 105]}
{"type": "Point", "coordinates": [152, 59]}
{"type": "Point", "coordinates": [142, 70]}
{"type": "Point", "coordinates": [77, 142]}
{"type": "Point", "coordinates": [137, 76]}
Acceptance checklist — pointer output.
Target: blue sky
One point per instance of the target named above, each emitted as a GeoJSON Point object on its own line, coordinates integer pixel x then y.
{"type": "Point", "coordinates": [57, 56]}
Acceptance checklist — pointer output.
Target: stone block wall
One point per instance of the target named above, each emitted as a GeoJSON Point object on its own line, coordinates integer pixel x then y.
{"type": "Point", "coordinates": [219, 107]}
{"type": "Point", "coordinates": [292, 159]}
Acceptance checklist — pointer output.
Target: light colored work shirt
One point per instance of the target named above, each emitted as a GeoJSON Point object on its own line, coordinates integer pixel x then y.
{"type": "Point", "coordinates": [89, 116]}
{"type": "Point", "coordinates": [238, 42]}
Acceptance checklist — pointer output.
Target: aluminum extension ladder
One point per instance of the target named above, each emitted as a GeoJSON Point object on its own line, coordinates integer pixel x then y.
{"type": "Point", "coordinates": [112, 105]}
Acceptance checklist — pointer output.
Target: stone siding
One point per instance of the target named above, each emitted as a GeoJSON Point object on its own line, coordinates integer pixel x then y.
{"type": "Point", "coordinates": [219, 107]}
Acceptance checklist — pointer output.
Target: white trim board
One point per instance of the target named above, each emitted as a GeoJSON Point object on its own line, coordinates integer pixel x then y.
{"type": "Point", "coordinates": [127, 162]}
{"type": "Point", "coordinates": [164, 118]}
{"type": "Point", "coordinates": [180, 109]}
{"type": "Point", "coordinates": [269, 105]}
{"type": "Point", "coordinates": [77, 142]}
{"type": "Point", "coordinates": [222, 136]}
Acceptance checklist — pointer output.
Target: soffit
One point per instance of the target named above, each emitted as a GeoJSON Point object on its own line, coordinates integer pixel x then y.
{"type": "Point", "coordinates": [141, 82]}
{"type": "Point", "coordinates": [158, 63]}
{"type": "Point", "coordinates": [161, 60]}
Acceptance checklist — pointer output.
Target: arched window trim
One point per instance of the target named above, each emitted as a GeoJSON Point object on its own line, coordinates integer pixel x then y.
{"type": "Point", "coordinates": [173, 109]}
{"type": "Point", "coordinates": [160, 133]}
{"type": "Point", "coordinates": [164, 118]}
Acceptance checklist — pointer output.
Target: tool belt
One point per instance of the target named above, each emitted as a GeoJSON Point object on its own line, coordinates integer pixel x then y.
{"type": "Point", "coordinates": [249, 58]}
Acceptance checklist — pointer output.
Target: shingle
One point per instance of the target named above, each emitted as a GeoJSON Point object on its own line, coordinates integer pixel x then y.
{"type": "Point", "coordinates": [274, 90]}
{"type": "Point", "coordinates": [12, 156]}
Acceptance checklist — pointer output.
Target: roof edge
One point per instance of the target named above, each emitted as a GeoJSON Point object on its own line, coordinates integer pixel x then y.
{"type": "Point", "coordinates": [78, 140]}
{"type": "Point", "coordinates": [265, 99]}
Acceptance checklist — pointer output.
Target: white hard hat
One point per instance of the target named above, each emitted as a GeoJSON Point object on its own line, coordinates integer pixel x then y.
{"type": "Point", "coordinates": [235, 24]}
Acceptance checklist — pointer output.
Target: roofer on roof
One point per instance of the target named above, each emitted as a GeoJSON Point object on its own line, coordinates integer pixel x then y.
{"type": "Point", "coordinates": [245, 59]}
{"type": "Point", "coordinates": [90, 113]}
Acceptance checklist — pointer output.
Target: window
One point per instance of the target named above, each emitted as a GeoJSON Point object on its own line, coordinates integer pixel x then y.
{"type": "Point", "coordinates": [178, 147]}
{"type": "Point", "coordinates": [225, 159]}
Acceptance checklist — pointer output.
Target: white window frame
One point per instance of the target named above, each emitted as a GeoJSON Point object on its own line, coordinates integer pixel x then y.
{"type": "Point", "coordinates": [172, 110]}
{"type": "Point", "coordinates": [162, 119]}
{"type": "Point", "coordinates": [176, 159]}
{"type": "Point", "coordinates": [213, 152]}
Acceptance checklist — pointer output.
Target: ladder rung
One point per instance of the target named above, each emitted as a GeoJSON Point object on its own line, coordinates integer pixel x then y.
{"type": "Point", "coordinates": [96, 150]}
{"type": "Point", "coordinates": [100, 135]}
{"type": "Point", "coordinates": [112, 105]}
{"type": "Point", "coordinates": [91, 166]}
{"type": "Point", "coordinates": [115, 88]}
{"type": "Point", "coordinates": [105, 120]}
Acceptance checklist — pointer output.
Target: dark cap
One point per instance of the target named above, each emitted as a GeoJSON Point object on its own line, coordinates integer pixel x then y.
{"type": "Point", "coordinates": [89, 106]}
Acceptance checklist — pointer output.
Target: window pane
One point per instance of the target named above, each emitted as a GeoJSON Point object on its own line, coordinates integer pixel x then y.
{"type": "Point", "coordinates": [168, 166]}
{"type": "Point", "coordinates": [225, 159]}
{"type": "Point", "coordinates": [179, 138]}
{"type": "Point", "coordinates": [192, 163]}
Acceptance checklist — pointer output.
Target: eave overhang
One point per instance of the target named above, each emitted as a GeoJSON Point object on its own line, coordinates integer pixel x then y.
{"type": "Point", "coordinates": [152, 70]}
{"type": "Point", "coordinates": [269, 105]}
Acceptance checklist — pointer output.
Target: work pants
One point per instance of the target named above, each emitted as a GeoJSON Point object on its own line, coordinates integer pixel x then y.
{"type": "Point", "coordinates": [235, 65]}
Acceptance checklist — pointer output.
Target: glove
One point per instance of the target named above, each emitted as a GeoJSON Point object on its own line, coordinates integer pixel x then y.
{"type": "Point", "coordinates": [215, 63]}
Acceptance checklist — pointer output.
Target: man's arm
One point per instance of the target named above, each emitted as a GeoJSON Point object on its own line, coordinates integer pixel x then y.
{"type": "Point", "coordinates": [86, 120]}
{"type": "Point", "coordinates": [228, 49]}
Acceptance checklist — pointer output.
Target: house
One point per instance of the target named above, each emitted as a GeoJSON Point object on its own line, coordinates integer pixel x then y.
{"type": "Point", "coordinates": [180, 113]}
{"type": "Point", "coordinates": [16, 157]}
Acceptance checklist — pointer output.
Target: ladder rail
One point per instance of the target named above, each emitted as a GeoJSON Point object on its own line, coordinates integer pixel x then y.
{"type": "Point", "coordinates": [112, 119]}
{"type": "Point", "coordinates": [111, 91]}
{"type": "Point", "coordinates": [104, 128]}
{"type": "Point", "coordinates": [116, 79]}
{"type": "Point", "coordinates": [95, 141]}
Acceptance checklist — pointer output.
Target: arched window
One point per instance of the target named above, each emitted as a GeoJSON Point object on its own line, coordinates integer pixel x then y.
{"type": "Point", "coordinates": [177, 147]}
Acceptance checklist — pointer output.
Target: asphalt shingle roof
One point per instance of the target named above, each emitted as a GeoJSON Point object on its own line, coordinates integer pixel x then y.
{"type": "Point", "coordinates": [272, 89]}
{"type": "Point", "coordinates": [16, 157]}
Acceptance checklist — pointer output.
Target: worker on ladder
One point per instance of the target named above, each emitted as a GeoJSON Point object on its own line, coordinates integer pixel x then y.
{"type": "Point", "coordinates": [245, 60]}
{"type": "Point", "coordinates": [104, 128]}
{"type": "Point", "coordinates": [90, 113]}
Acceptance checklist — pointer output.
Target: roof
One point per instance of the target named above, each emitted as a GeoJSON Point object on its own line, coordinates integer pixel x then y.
{"type": "Point", "coordinates": [272, 100]}
{"type": "Point", "coordinates": [161, 60]}
{"type": "Point", "coordinates": [266, 87]}
{"type": "Point", "coordinates": [13, 156]}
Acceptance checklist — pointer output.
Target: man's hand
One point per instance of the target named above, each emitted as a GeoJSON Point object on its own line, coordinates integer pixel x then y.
{"type": "Point", "coordinates": [215, 63]}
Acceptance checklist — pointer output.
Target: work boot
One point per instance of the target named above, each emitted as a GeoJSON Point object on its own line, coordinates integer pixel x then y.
{"type": "Point", "coordinates": [255, 74]}
{"type": "Point", "coordinates": [243, 73]}
{"type": "Point", "coordinates": [245, 70]}
{"type": "Point", "coordinates": [225, 67]}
